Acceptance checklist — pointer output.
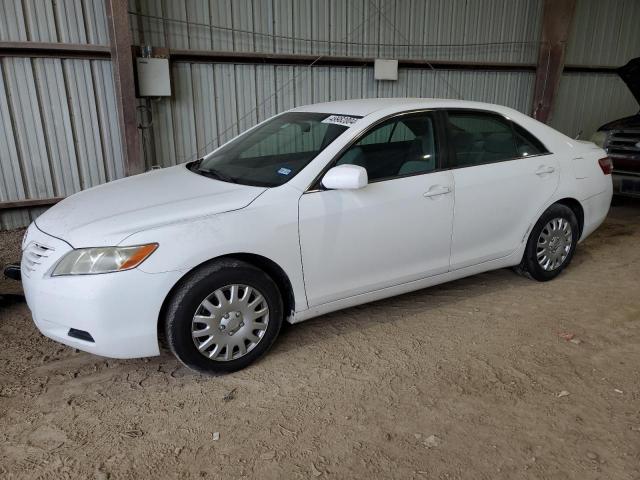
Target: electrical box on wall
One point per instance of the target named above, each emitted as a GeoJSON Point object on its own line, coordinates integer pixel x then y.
{"type": "Point", "coordinates": [153, 77]}
{"type": "Point", "coordinates": [385, 69]}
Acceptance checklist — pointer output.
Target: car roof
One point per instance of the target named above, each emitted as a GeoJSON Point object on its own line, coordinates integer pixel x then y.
{"type": "Point", "coordinates": [364, 107]}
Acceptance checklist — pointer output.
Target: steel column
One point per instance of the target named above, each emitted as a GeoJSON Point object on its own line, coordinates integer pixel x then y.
{"type": "Point", "coordinates": [122, 60]}
{"type": "Point", "coordinates": [556, 26]}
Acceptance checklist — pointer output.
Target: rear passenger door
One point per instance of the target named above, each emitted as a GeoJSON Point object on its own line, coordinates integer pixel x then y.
{"type": "Point", "coordinates": [503, 176]}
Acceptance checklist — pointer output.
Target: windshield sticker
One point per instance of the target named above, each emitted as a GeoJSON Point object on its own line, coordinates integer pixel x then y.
{"type": "Point", "coordinates": [284, 171]}
{"type": "Point", "coordinates": [341, 120]}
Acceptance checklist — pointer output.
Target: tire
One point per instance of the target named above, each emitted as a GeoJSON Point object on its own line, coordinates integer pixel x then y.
{"type": "Point", "coordinates": [535, 263]}
{"type": "Point", "coordinates": [187, 336]}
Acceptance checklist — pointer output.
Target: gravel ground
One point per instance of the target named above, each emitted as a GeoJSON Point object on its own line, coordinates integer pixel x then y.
{"type": "Point", "coordinates": [465, 380]}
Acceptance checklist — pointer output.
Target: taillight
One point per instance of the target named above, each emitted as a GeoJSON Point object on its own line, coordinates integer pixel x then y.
{"type": "Point", "coordinates": [606, 165]}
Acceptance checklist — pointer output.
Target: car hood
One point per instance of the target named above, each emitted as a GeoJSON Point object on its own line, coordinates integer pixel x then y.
{"type": "Point", "coordinates": [627, 122]}
{"type": "Point", "coordinates": [107, 214]}
{"type": "Point", "coordinates": [630, 74]}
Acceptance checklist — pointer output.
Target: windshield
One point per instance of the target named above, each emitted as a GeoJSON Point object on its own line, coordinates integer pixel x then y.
{"type": "Point", "coordinates": [276, 151]}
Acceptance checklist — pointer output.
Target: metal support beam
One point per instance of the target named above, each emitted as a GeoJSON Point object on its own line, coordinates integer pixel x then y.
{"type": "Point", "coordinates": [210, 56]}
{"type": "Point", "coordinates": [53, 50]}
{"type": "Point", "coordinates": [556, 25]}
{"type": "Point", "coordinates": [40, 202]}
{"type": "Point", "coordinates": [122, 60]}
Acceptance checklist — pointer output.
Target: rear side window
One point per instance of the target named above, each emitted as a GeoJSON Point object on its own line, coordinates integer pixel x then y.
{"type": "Point", "coordinates": [478, 138]}
{"type": "Point", "coordinates": [398, 147]}
{"type": "Point", "coordinates": [526, 143]}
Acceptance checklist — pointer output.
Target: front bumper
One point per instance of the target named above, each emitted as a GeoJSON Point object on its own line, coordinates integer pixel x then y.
{"type": "Point", "coordinates": [626, 184]}
{"type": "Point", "coordinates": [119, 311]}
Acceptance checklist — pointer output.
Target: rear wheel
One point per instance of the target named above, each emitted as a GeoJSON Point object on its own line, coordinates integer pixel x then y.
{"type": "Point", "coordinates": [223, 317]}
{"type": "Point", "coordinates": [551, 244]}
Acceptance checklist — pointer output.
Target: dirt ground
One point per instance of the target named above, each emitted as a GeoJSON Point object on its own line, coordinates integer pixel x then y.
{"type": "Point", "coordinates": [465, 380]}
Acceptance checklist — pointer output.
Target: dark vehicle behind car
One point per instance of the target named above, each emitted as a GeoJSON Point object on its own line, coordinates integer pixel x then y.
{"type": "Point", "coordinates": [621, 138]}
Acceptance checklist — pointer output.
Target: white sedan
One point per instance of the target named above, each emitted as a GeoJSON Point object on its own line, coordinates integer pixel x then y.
{"type": "Point", "coordinates": [317, 209]}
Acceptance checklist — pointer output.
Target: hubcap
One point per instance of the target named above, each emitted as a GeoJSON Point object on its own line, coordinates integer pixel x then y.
{"type": "Point", "coordinates": [230, 322]}
{"type": "Point", "coordinates": [554, 244]}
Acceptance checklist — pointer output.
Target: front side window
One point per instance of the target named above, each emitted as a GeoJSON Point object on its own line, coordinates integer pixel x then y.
{"type": "Point", "coordinates": [478, 138]}
{"type": "Point", "coordinates": [276, 151]}
{"type": "Point", "coordinates": [401, 146]}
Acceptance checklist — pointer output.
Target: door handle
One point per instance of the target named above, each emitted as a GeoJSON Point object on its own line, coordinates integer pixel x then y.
{"type": "Point", "coordinates": [544, 170]}
{"type": "Point", "coordinates": [436, 190]}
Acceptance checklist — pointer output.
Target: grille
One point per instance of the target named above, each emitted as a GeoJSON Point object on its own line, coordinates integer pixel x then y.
{"type": "Point", "coordinates": [622, 146]}
{"type": "Point", "coordinates": [33, 256]}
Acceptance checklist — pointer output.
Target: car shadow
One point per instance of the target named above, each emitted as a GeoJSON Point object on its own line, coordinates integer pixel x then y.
{"type": "Point", "coordinates": [420, 302]}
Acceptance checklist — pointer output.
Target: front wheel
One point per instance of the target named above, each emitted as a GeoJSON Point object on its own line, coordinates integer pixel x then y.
{"type": "Point", "coordinates": [223, 317]}
{"type": "Point", "coordinates": [551, 244]}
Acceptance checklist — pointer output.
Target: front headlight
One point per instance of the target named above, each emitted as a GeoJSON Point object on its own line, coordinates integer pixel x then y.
{"type": "Point", "coordinates": [86, 261]}
{"type": "Point", "coordinates": [599, 138]}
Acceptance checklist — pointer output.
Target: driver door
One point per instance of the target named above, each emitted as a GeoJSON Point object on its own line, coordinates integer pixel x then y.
{"type": "Point", "coordinates": [395, 230]}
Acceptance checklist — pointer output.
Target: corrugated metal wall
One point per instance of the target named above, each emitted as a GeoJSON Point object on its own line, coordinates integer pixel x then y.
{"type": "Point", "coordinates": [59, 129]}
{"type": "Point", "coordinates": [604, 33]}
{"type": "Point", "coordinates": [65, 21]}
{"type": "Point", "coordinates": [205, 104]}
{"type": "Point", "coordinates": [207, 107]}
{"type": "Point", "coordinates": [369, 28]}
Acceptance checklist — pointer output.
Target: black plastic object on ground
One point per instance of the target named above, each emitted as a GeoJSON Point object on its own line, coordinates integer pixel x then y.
{"type": "Point", "coordinates": [13, 272]}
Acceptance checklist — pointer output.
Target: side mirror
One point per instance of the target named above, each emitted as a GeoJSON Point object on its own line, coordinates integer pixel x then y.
{"type": "Point", "coordinates": [345, 177]}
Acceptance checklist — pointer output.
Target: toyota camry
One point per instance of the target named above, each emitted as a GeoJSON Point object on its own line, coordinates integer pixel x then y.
{"type": "Point", "coordinates": [317, 209]}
